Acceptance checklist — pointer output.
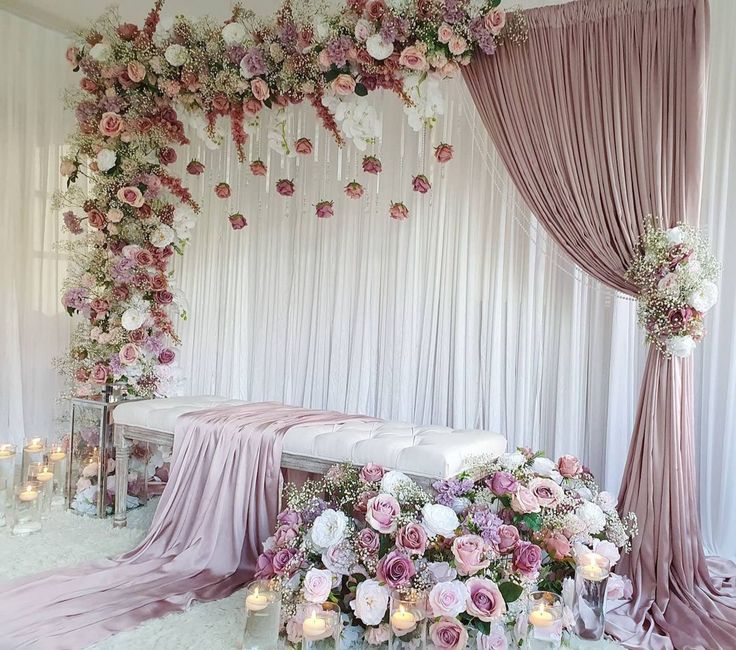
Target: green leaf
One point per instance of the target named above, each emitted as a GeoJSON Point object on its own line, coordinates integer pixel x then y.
{"type": "Point", "coordinates": [533, 521]}
{"type": "Point", "coordinates": [268, 102]}
{"type": "Point", "coordinates": [70, 311]}
{"type": "Point", "coordinates": [510, 591]}
{"type": "Point", "coordinates": [481, 626]}
{"type": "Point", "coordinates": [360, 90]}
{"type": "Point", "coordinates": [331, 74]}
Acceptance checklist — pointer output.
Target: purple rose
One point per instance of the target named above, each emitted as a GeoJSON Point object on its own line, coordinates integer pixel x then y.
{"type": "Point", "coordinates": [371, 473]}
{"type": "Point", "coordinates": [368, 540]}
{"type": "Point", "coordinates": [502, 483]}
{"type": "Point", "coordinates": [264, 566]}
{"type": "Point", "coordinates": [285, 534]}
{"type": "Point", "coordinates": [289, 517]}
{"type": "Point", "coordinates": [395, 569]}
{"type": "Point", "coordinates": [285, 562]}
{"type": "Point", "coordinates": [527, 558]}
{"type": "Point", "coordinates": [412, 539]}
{"type": "Point", "coordinates": [508, 538]}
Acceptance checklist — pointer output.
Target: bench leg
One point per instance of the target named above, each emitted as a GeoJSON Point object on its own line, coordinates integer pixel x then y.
{"type": "Point", "coordinates": [122, 455]}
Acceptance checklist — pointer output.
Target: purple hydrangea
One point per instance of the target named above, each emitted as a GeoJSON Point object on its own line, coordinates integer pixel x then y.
{"type": "Point", "coordinates": [74, 298]}
{"type": "Point", "coordinates": [235, 53]}
{"type": "Point", "coordinates": [451, 489]}
{"type": "Point", "coordinates": [454, 12]}
{"type": "Point", "coordinates": [121, 271]}
{"type": "Point", "coordinates": [316, 508]}
{"type": "Point", "coordinates": [288, 35]}
{"type": "Point", "coordinates": [337, 50]}
{"type": "Point", "coordinates": [254, 61]}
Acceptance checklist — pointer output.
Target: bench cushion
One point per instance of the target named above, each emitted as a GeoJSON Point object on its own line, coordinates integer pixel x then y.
{"type": "Point", "coordinates": [429, 451]}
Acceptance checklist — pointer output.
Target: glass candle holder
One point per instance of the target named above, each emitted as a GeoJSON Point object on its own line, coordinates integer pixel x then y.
{"type": "Point", "coordinates": [589, 607]}
{"type": "Point", "coordinates": [262, 614]}
{"type": "Point", "coordinates": [7, 473]}
{"type": "Point", "coordinates": [4, 515]}
{"type": "Point", "coordinates": [320, 626]}
{"type": "Point", "coordinates": [33, 452]}
{"type": "Point", "coordinates": [43, 473]}
{"type": "Point", "coordinates": [407, 623]}
{"type": "Point", "coordinates": [57, 457]}
{"type": "Point", "coordinates": [27, 514]}
{"type": "Point", "coordinates": [544, 621]}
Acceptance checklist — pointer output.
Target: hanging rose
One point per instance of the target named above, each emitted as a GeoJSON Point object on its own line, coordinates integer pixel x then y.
{"type": "Point", "coordinates": [324, 209]}
{"type": "Point", "coordinates": [237, 221]}
{"type": "Point", "coordinates": [285, 187]}
{"type": "Point", "coordinates": [303, 146]}
{"type": "Point", "coordinates": [420, 183]}
{"type": "Point", "coordinates": [443, 152]}
{"type": "Point", "coordinates": [195, 168]}
{"type": "Point", "coordinates": [258, 168]}
{"type": "Point", "coordinates": [399, 211]}
{"type": "Point", "coordinates": [222, 190]}
{"type": "Point", "coordinates": [372, 165]}
{"type": "Point", "coordinates": [354, 190]}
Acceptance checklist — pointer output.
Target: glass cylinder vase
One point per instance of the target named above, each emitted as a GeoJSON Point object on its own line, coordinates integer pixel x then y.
{"type": "Point", "coordinates": [544, 620]}
{"type": "Point", "coordinates": [57, 457]}
{"type": "Point", "coordinates": [407, 628]}
{"type": "Point", "coordinates": [589, 607]}
{"type": "Point", "coordinates": [320, 626]}
{"type": "Point", "coordinates": [7, 479]}
{"type": "Point", "coordinates": [27, 509]}
{"type": "Point", "coordinates": [33, 452]}
{"type": "Point", "coordinates": [43, 474]}
{"type": "Point", "coordinates": [262, 614]}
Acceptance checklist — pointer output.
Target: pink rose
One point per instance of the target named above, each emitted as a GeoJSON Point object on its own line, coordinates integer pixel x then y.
{"type": "Point", "coordinates": [448, 598]}
{"type": "Point", "coordinates": [167, 156]}
{"type": "Point", "coordinates": [131, 195]}
{"type": "Point", "coordinates": [286, 562]}
{"type": "Point", "coordinates": [383, 513]}
{"type": "Point", "coordinates": [445, 33]}
{"type": "Point", "coordinates": [569, 466]}
{"type": "Point", "coordinates": [372, 165]}
{"type": "Point", "coordinates": [252, 106]}
{"type": "Point", "coordinates": [324, 209]}
{"type": "Point", "coordinates": [343, 85]}
{"type": "Point", "coordinates": [259, 88]}
{"type": "Point", "coordinates": [317, 585]}
{"type": "Point", "coordinates": [508, 538]}
{"type": "Point", "coordinates": [143, 258]}
{"type": "Point", "coordinates": [368, 540]}
{"type": "Point", "coordinates": [398, 211]}
{"type": "Point", "coordinates": [413, 58]}
{"type": "Point", "coordinates": [264, 566]}
{"type": "Point", "coordinates": [557, 545]}
{"type": "Point", "coordinates": [448, 634]}
{"type": "Point", "coordinates": [285, 187]}
{"type": "Point", "coordinates": [523, 501]}
{"type": "Point", "coordinates": [371, 473]}
{"type": "Point", "coordinates": [67, 167]}
{"type": "Point", "coordinates": [72, 57]}
{"type": "Point", "coordinates": [222, 190]}
{"type": "Point", "coordinates": [608, 550]}
{"type": "Point", "coordinates": [237, 221]}
{"type": "Point", "coordinates": [257, 168]}
{"type": "Point", "coordinates": [303, 146]}
{"type": "Point", "coordinates": [166, 356]}
{"type": "Point", "coordinates": [136, 71]}
{"type": "Point", "coordinates": [163, 297]}
{"type": "Point", "coordinates": [495, 20]}
{"type": "Point", "coordinates": [527, 558]}
{"type": "Point", "coordinates": [354, 190]}
{"type": "Point", "coordinates": [412, 539]}
{"type": "Point", "coordinates": [375, 9]}
{"type": "Point", "coordinates": [99, 374]}
{"type": "Point", "coordinates": [502, 483]}
{"type": "Point", "coordinates": [485, 601]}
{"type": "Point", "coordinates": [619, 587]}
{"type": "Point", "coordinates": [96, 219]}
{"type": "Point", "coordinates": [395, 569]}
{"type": "Point", "coordinates": [324, 60]}
{"type": "Point", "coordinates": [99, 305]}
{"type": "Point", "coordinates": [128, 354]}
{"type": "Point", "coordinates": [421, 184]}
{"type": "Point", "coordinates": [289, 518]}
{"type": "Point", "coordinates": [111, 124]}
{"type": "Point", "coordinates": [443, 152]}
{"type": "Point", "coordinates": [548, 493]}
{"type": "Point", "coordinates": [470, 554]}
{"type": "Point", "coordinates": [457, 45]}
{"type": "Point", "coordinates": [496, 640]}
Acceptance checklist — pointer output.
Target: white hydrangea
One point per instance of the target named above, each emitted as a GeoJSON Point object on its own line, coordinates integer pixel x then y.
{"type": "Point", "coordinates": [592, 517]}
{"type": "Point", "coordinates": [680, 346]}
{"type": "Point", "coordinates": [511, 460]}
{"type": "Point", "coordinates": [176, 55]}
{"type": "Point", "coordinates": [233, 33]}
{"type": "Point", "coordinates": [101, 52]}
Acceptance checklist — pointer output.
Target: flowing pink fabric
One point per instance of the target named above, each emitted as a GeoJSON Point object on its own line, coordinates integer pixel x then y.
{"type": "Point", "coordinates": [220, 504]}
{"type": "Point", "coordinates": [599, 121]}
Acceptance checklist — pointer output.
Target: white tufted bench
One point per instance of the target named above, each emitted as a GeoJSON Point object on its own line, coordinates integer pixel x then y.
{"type": "Point", "coordinates": [426, 453]}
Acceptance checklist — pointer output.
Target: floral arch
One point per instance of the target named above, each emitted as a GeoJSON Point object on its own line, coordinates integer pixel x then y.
{"type": "Point", "coordinates": [139, 85]}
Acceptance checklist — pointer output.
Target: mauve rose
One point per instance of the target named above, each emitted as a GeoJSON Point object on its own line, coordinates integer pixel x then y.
{"type": "Point", "coordinates": [195, 168]}
{"type": "Point", "coordinates": [343, 84]}
{"type": "Point", "coordinates": [303, 146]}
{"type": "Point", "coordinates": [398, 211]}
{"type": "Point", "coordinates": [508, 538]}
{"type": "Point", "coordinates": [360, 507]}
{"type": "Point", "coordinates": [128, 354]}
{"type": "Point", "coordinates": [264, 566]}
{"type": "Point", "coordinates": [485, 601]}
{"type": "Point", "coordinates": [495, 20]}
{"type": "Point", "coordinates": [448, 634]}
{"type": "Point", "coordinates": [138, 336]}
{"type": "Point", "coordinates": [99, 374]}
{"type": "Point", "coordinates": [284, 562]}
{"type": "Point", "coordinates": [87, 85]}
{"type": "Point", "coordinates": [163, 297]}
{"type": "Point", "coordinates": [680, 317]}
{"type": "Point", "coordinates": [252, 106]}
{"type": "Point", "coordinates": [569, 466]}
{"type": "Point", "coordinates": [375, 9]}
{"type": "Point", "coordinates": [257, 168]}
{"type": "Point", "coordinates": [371, 473]}
{"type": "Point", "coordinates": [99, 305]}
{"type": "Point", "coordinates": [136, 71]}
{"type": "Point", "coordinates": [421, 184]}
{"type": "Point", "coordinates": [259, 88]}
{"type": "Point", "coordinates": [324, 209]}
{"type": "Point", "coordinates": [72, 57]}
{"type": "Point", "coordinates": [395, 569]}
{"type": "Point", "coordinates": [413, 58]}
{"type": "Point", "coordinates": [96, 219]}
{"type": "Point", "coordinates": [144, 258]}
{"type": "Point", "coordinates": [557, 545]}
{"type": "Point", "coordinates": [289, 517]}
{"type": "Point", "coordinates": [237, 221]}
{"type": "Point", "coordinates": [372, 165]}
{"type": "Point", "coordinates": [412, 539]}
{"type": "Point", "coordinates": [159, 282]}
{"type": "Point", "coordinates": [527, 558]}
{"type": "Point", "coordinates": [523, 501]}
{"type": "Point", "coordinates": [457, 45]}
{"type": "Point", "coordinates": [81, 375]}
{"type": "Point", "coordinates": [470, 554]}
{"type": "Point", "coordinates": [131, 195]}
{"type": "Point", "coordinates": [121, 292]}
{"type": "Point", "coordinates": [220, 103]}
{"type": "Point", "coordinates": [548, 493]}
{"type": "Point", "coordinates": [285, 534]}
{"type": "Point", "coordinates": [222, 190]}
{"type": "Point", "coordinates": [354, 190]}
{"type": "Point", "coordinates": [167, 156]}
{"type": "Point", "coordinates": [502, 483]}
{"type": "Point", "coordinates": [383, 513]}
{"type": "Point", "coordinates": [67, 167]}
{"type": "Point", "coordinates": [285, 187]}
{"type": "Point", "coordinates": [369, 540]}
{"type": "Point", "coordinates": [445, 33]}
{"type": "Point", "coordinates": [166, 356]}
{"type": "Point", "coordinates": [443, 152]}
{"type": "Point", "coordinates": [111, 124]}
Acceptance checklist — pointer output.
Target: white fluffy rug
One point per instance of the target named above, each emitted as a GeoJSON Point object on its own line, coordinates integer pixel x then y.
{"type": "Point", "coordinates": [68, 539]}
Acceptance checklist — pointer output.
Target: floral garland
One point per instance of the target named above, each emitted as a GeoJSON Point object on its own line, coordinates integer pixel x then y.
{"type": "Point", "coordinates": [675, 274]}
{"type": "Point", "coordinates": [474, 551]}
{"type": "Point", "coordinates": [141, 84]}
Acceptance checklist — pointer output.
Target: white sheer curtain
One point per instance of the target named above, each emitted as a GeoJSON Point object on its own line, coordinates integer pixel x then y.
{"type": "Point", "coordinates": [462, 315]}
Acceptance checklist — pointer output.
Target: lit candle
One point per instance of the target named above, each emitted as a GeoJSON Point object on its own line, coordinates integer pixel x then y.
{"type": "Point", "coordinates": [28, 494]}
{"type": "Point", "coordinates": [314, 628]}
{"type": "Point", "coordinates": [45, 474]}
{"type": "Point", "coordinates": [541, 617]}
{"type": "Point", "coordinates": [57, 454]}
{"type": "Point", "coordinates": [402, 620]}
{"type": "Point", "coordinates": [256, 602]}
{"type": "Point", "coordinates": [590, 568]}
{"type": "Point", "coordinates": [6, 451]}
{"type": "Point", "coordinates": [34, 445]}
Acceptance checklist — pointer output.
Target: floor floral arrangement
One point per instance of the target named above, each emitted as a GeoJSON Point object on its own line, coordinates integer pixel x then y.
{"type": "Point", "coordinates": [472, 552]}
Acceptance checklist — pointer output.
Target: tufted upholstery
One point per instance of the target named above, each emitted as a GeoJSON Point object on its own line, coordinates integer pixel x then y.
{"type": "Point", "coordinates": [430, 451]}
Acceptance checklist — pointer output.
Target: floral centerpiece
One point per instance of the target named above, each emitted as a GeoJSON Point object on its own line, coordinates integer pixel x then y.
{"type": "Point", "coordinates": [474, 550]}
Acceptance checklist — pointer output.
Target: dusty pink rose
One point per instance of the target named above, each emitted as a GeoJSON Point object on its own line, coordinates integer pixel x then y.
{"type": "Point", "coordinates": [445, 33]}
{"type": "Point", "coordinates": [99, 374]}
{"type": "Point", "coordinates": [371, 473]}
{"type": "Point", "coordinates": [114, 215]}
{"type": "Point", "coordinates": [569, 466]}
{"type": "Point", "coordinates": [136, 71]}
{"type": "Point", "coordinates": [485, 601]}
{"type": "Point", "coordinates": [144, 257]}
{"type": "Point", "coordinates": [383, 513]}
{"type": "Point", "coordinates": [195, 168]}
{"type": "Point", "coordinates": [457, 45]}
{"type": "Point", "coordinates": [317, 585]}
{"type": "Point", "coordinates": [111, 124]}
{"type": "Point", "coordinates": [167, 156]}
{"type": "Point", "coordinates": [343, 85]}
{"type": "Point", "coordinates": [548, 493]}
{"type": "Point", "coordinates": [502, 483]}
{"type": "Point", "coordinates": [285, 187]}
{"type": "Point", "coordinates": [128, 354]}
{"type": "Point", "coordinates": [443, 152]}
{"type": "Point", "coordinates": [289, 518]}
{"type": "Point", "coordinates": [67, 167]}
{"type": "Point", "coordinates": [395, 569]}
{"type": "Point", "coordinates": [398, 211]}
{"type": "Point", "coordinates": [81, 375]}
{"type": "Point", "coordinates": [99, 305]}
{"type": "Point", "coordinates": [285, 562]}
{"type": "Point", "coordinates": [222, 190]}
{"type": "Point", "coordinates": [259, 88]}
{"type": "Point", "coordinates": [413, 58]}
{"type": "Point", "coordinates": [527, 558]}
{"type": "Point", "coordinates": [421, 184]}
{"type": "Point", "coordinates": [252, 106]}
{"type": "Point", "coordinates": [303, 146]}
{"type": "Point", "coordinates": [508, 538]}
{"type": "Point", "coordinates": [163, 297]}
{"type": "Point", "coordinates": [412, 539]}
{"type": "Point", "coordinates": [127, 31]}
{"type": "Point", "coordinates": [96, 219]}
{"type": "Point", "coordinates": [237, 221]}
{"type": "Point", "coordinates": [523, 501]}
{"type": "Point", "coordinates": [372, 165]}
{"type": "Point", "coordinates": [258, 168]}
{"type": "Point", "coordinates": [354, 190]}
{"type": "Point", "coordinates": [448, 634]}
{"type": "Point", "coordinates": [324, 209]}
{"type": "Point", "coordinates": [369, 540]}
{"type": "Point", "coordinates": [470, 554]}
{"type": "Point", "coordinates": [324, 60]}
{"type": "Point", "coordinates": [72, 57]}
{"type": "Point", "coordinates": [131, 195]}
{"type": "Point", "coordinates": [166, 356]}
{"type": "Point", "coordinates": [495, 21]}
{"type": "Point", "coordinates": [374, 9]}
{"type": "Point", "coordinates": [557, 545]}
{"type": "Point", "coordinates": [608, 550]}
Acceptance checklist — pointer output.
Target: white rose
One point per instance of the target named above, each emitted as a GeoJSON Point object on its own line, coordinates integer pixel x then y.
{"type": "Point", "coordinates": [593, 517]}
{"type": "Point", "coordinates": [106, 160]}
{"type": "Point", "coordinates": [448, 598]}
{"type": "Point", "coordinates": [391, 481]}
{"type": "Point", "coordinates": [441, 571]}
{"type": "Point", "coordinates": [132, 318]}
{"type": "Point", "coordinates": [544, 466]}
{"type": "Point", "coordinates": [675, 236]}
{"type": "Point", "coordinates": [705, 297]}
{"type": "Point", "coordinates": [363, 29]}
{"type": "Point", "coordinates": [101, 52]}
{"type": "Point", "coordinates": [608, 550]}
{"type": "Point", "coordinates": [317, 585]}
{"type": "Point", "coordinates": [176, 55]}
{"type": "Point", "coordinates": [162, 236]}
{"type": "Point", "coordinates": [439, 520]}
{"type": "Point", "coordinates": [233, 33]}
{"type": "Point", "coordinates": [329, 529]}
{"type": "Point", "coordinates": [680, 346]}
{"type": "Point", "coordinates": [378, 48]}
{"type": "Point", "coordinates": [584, 493]}
{"type": "Point", "coordinates": [511, 460]}
{"type": "Point", "coordinates": [370, 603]}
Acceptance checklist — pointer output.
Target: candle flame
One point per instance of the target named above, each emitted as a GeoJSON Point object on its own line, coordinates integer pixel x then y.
{"type": "Point", "coordinates": [401, 609]}
{"type": "Point", "coordinates": [256, 592]}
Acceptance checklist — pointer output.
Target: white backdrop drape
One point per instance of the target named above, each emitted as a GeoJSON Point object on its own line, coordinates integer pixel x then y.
{"type": "Point", "coordinates": [464, 315]}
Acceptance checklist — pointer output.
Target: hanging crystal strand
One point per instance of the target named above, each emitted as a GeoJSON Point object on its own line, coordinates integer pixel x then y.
{"type": "Point", "coordinates": [339, 164]}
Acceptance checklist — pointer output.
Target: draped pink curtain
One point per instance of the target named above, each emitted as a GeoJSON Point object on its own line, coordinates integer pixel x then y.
{"type": "Point", "coordinates": [599, 121]}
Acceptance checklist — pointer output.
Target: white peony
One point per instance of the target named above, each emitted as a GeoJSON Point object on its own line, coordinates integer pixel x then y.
{"type": "Point", "coordinates": [544, 466]}
{"type": "Point", "coordinates": [329, 529]}
{"type": "Point", "coordinates": [592, 517]}
{"type": "Point", "coordinates": [233, 34]}
{"type": "Point", "coordinates": [705, 297]}
{"type": "Point", "coordinates": [106, 160]}
{"type": "Point", "coordinates": [162, 236]}
{"type": "Point", "coordinates": [680, 346]}
{"type": "Point", "coordinates": [675, 236]}
{"type": "Point", "coordinates": [391, 481]}
{"type": "Point", "coordinates": [439, 520]}
{"type": "Point", "coordinates": [573, 525]}
{"type": "Point", "coordinates": [378, 48]}
{"type": "Point", "coordinates": [101, 52]}
{"type": "Point", "coordinates": [511, 460]}
{"type": "Point", "coordinates": [176, 55]}
{"type": "Point", "coordinates": [370, 603]}
{"type": "Point", "coordinates": [133, 318]}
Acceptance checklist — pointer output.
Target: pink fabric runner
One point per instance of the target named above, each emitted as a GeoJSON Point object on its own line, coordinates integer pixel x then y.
{"type": "Point", "coordinates": [221, 502]}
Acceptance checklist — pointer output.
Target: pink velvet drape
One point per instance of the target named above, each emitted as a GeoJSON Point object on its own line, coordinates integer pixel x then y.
{"type": "Point", "coordinates": [599, 121]}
